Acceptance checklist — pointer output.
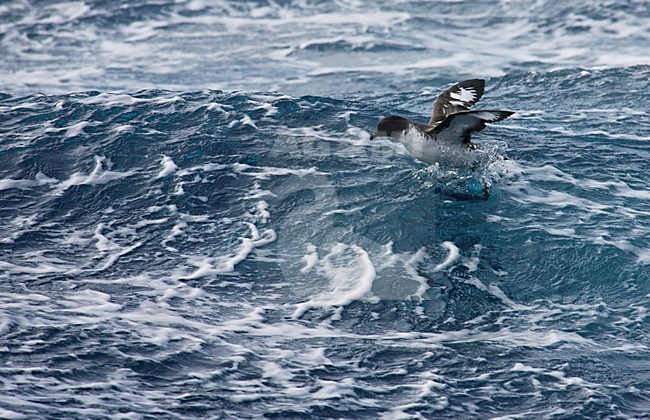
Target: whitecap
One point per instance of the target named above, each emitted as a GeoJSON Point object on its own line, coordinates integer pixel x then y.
{"type": "Point", "coordinates": [168, 167]}
{"type": "Point", "coordinates": [350, 274]}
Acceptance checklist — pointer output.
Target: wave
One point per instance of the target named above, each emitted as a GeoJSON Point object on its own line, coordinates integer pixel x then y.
{"type": "Point", "coordinates": [255, 249]}
{"type": "Point", "coordinates": [304, 47]}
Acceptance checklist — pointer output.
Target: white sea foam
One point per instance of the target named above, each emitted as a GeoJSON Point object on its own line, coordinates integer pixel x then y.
{"type": "Point", "coordinates": [411, 267]}
{"type": "Point", "coordinates": [40, 268]}
{"type": "Point", "coordinates": [352, 34]}
{"type": "Point", "coordinates": [562, 380]}
{"type": "Point", "coordinates": [310, 259]}
{"type": "Point", "coordinates": [23, 184]}
{"type": "Point", "coordinates": [453, 255]}
{"type": "Point", "coordinates": [99, 175]}
{"type": "Point", "coordinates": [526, 187]}
{"type": "Point", "coordinates": [207, 266]}
{"type": "Point", "coordinates": [260, 172]}
{"type": "Point", "coordinates": [342, 211]}
{"type": "Point", "coordinates": [5, 323]}
{"type": "Point", "coordinates": [168, 167]}
{"type": "Point", "coordinates": [75, 129]}
{"type": "Point", "coordinates": [602, 133]}
{"type": "Point", "coordinates": [472, 261]}
{"type": "Point", "coordinates": [350, 274]}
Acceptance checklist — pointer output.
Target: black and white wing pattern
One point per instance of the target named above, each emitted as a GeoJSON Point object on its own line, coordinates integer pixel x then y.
{"type": "Point", "coordinates": [457, 98]}
{"type": "Point", "coordinates": [459, 127]}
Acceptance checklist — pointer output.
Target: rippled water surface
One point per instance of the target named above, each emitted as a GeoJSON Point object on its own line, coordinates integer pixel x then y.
{"type": "Point", "coordinates": [194, 222]}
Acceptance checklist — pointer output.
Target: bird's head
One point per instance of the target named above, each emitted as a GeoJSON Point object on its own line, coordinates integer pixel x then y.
{"type": "Point", "coordinates": [392, 126]}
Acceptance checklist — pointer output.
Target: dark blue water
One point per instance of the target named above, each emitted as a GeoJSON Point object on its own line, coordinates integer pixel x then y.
{"type": "Point", "coordinates": [194, 223]}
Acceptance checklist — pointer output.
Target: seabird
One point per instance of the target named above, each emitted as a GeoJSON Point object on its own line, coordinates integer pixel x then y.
{"type": "Point", "coordinates": [449, 130]}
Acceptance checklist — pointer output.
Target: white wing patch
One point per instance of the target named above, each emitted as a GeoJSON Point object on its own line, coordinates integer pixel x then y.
{"type": "Point", "coordinates": [460, 126]}
{"type": "Point", "coordinates": [462, 96]}
{"type": "Point", "coordinates": [488, 116]}
{"type": "Point", "coordinates": [457, 98]}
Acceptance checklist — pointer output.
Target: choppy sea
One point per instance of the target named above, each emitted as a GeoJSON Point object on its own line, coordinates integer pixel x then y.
{"type": "Point", "coordinates": [195, 224]}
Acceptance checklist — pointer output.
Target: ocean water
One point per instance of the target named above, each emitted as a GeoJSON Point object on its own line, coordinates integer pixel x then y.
{"type": "Point", "coordinates": [195, 224]}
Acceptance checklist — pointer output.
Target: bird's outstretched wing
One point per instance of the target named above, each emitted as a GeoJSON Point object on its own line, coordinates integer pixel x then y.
{"type": "Point", "coordinates": [457, 98]}
{"type": "Point", "coordinates": [461, 125]}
